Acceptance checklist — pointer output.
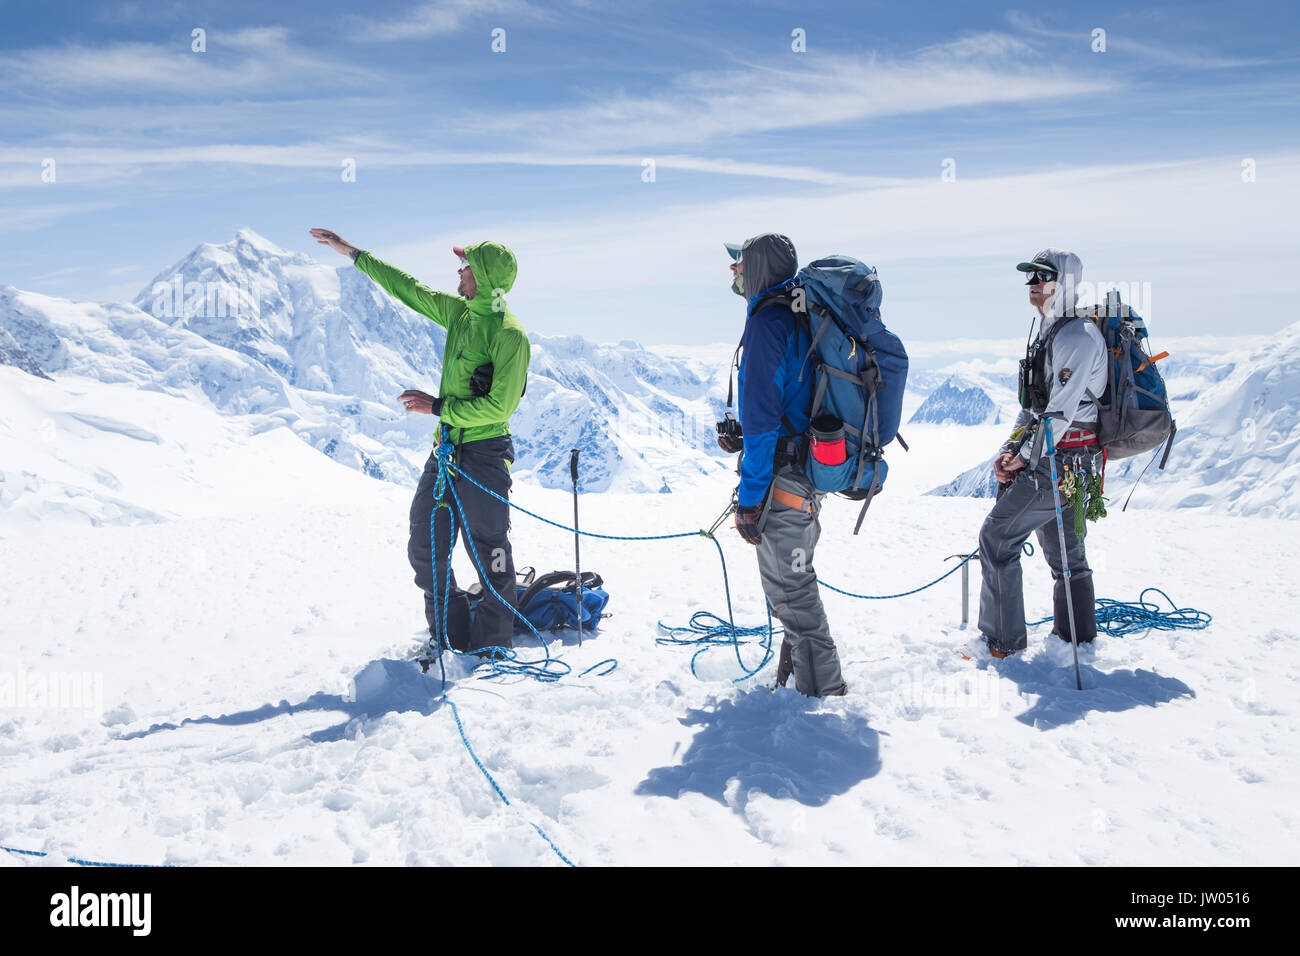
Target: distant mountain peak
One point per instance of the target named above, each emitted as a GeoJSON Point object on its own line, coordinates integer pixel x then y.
{"type": "Point", "coordinates": [952, 404]}
{"type": "Point", "coordinates": [259, 242]}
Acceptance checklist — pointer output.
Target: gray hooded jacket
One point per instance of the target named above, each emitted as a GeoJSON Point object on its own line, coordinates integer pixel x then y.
{"type": "Point", "coordinates": [1075, 365]}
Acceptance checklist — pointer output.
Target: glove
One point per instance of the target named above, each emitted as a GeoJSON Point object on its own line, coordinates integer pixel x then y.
{"type": "Point", "coordinates": [437, 406]}
{"type": "Point", "coordinates": [747, 523]}
{"type": "Point", "coordinates": [730, 436]}
{"type": "Point", "coordinates": [480, 383]}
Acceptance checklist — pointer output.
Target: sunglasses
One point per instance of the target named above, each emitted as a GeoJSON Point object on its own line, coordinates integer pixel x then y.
{"type": "Point", "coordinates": [464, 264]}
{"type": "Point", "coordinates": [1038, 277]}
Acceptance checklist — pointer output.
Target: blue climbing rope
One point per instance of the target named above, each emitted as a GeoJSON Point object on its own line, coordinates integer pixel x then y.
{"type": "Point", "coordinates": [504, 660]}
{"type": "Point", "coordinates": [706, 631]}
{"type": "Point", "coordinates": [888, 597]}
{"type": "Point", "coordinates": [78, 861]}
{"type": "Point", "coordinates": [1122, 618]}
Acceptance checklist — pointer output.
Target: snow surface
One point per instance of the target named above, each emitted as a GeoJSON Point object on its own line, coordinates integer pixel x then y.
{"type": "Point", "coordinates": [207, 621]}
{"type": "Point", "coordinates": [250, 697]}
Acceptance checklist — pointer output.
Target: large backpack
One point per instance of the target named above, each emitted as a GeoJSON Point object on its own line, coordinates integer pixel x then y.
{"type": "Point", "coordinates": [550, 601]}
{"type": "Point", "coordinates": [861, 372]}
{"type": "Point", "coordinates": [1133, 416]}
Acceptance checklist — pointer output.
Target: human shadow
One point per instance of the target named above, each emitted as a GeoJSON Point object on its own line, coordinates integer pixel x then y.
{"type": "Point", "coordinates": [1059, 702]}
{"type": "Point", "coordinates": [384, 686]}
{"type": "Point", "coordinates": [778, 744]}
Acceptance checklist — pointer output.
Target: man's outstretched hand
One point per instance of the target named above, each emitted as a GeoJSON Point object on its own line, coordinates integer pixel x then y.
{"type": "Point", "coordinates": [424, 403]}
{"type": "Point", "coordinates": [328, 237]}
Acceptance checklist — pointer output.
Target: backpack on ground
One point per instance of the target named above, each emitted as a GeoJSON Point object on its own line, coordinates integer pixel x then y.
{"type": "Point", "coordinates": [550, 601]}
{"type": "Point", "coordinates": [1133, 416]}
{"type": "Point", "coordinates": [860, 370]}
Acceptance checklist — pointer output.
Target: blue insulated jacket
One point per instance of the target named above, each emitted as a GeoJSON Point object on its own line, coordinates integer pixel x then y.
{"type": "Point", "coordinates": [768, 379]}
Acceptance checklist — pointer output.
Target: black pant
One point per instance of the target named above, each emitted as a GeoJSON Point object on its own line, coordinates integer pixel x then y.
{"type": "Point", "coordinates": [487, 462]}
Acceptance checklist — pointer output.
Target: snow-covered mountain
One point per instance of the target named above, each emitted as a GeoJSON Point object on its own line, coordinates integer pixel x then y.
{"type": "Point", "coordinates": [11, 353]}
{"type": "Point", "coordinates": [977, 482]}
{"type": "Point", "coordinates": [246, 328]}
{"type": "Point", "coordinates": [1238, 443]}
{"type": "Point", "coordinates": [252, 329]}
{"type": "Point", "coordinates": [951, 404]}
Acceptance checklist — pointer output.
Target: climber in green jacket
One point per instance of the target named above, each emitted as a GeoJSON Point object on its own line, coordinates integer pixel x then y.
{"type": "Point", "coordinates": [484, 373]}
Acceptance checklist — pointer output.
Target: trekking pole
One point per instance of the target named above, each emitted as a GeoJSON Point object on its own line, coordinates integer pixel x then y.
{"type": "Point", "coordinates": [577, 562]}
{"type": "Point", "coordinates": [1065, 560]}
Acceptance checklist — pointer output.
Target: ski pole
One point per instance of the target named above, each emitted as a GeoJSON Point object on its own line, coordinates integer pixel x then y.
{"type": "Point", "coordinates": [577, 562]}
{"type": "Point", "coordinates": [1065, 560]}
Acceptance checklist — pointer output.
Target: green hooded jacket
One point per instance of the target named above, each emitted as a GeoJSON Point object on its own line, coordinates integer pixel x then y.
{"type": "Point", "coordinates": [479, 330]}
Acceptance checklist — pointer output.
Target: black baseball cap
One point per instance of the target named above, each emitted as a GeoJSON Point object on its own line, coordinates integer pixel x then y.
{"type": "Point", "coordinates": [1039, 263]}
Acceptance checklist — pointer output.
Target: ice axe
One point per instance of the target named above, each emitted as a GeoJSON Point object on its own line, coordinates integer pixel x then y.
{"type": "Point", "coordinates": [577, 561]}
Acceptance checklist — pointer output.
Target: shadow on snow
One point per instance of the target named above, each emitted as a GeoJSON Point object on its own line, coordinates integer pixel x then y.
{"type": "Point", "coordinates": [382, 687]}
{"type": "Point", "coordinates": [1051, 678]}
{"type": "Point", "coordinates": [781, 745]}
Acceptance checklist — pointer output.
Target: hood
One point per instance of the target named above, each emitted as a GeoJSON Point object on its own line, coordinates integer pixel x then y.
{"type": "Point", "coordinates": [769, 260]}
{"type": "Point", "coordinates": [1069, 272]}
{"type": "Point", "coordinates": [494, 271]}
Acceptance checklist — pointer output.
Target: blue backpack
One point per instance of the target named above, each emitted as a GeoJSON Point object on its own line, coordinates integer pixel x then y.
{"type": "Point", "coordinates": [550, 602]}
{"type": "Point", "coordinates": [861, 372]}
{"type": "Point", "coordinates": [1133, 414]}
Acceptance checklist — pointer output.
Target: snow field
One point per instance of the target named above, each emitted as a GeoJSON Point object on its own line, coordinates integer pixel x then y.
{"type": "Point", "coordinates": [258, 704]}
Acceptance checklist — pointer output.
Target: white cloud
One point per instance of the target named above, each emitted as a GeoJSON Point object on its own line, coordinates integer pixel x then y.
{"type": "Point", "coordinates": [373, 155]}
{"type": "Point", "coordinates": [1127, 41]}
{"type": "Point", "coordinates": [701, 106]}
{"type": "Point", "coordinates": [258, 59]}
{"type": "Point", "coordinates": [435, 19]}
{"type": "Point", "coordinates": [1206, 241]}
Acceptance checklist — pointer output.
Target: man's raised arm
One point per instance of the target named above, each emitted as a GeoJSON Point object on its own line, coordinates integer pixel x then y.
{"type": "Point", "coordinates": [438, 306]}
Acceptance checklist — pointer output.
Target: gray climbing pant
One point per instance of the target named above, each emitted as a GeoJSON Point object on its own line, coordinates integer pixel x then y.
{"type": "Point", "coordinates": [785, 564]}
{"type": "Point", "coordinates": [1027, 506]}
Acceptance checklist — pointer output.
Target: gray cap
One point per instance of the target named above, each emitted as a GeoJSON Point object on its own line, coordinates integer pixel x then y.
{"type": "Point", "coordinates": [733, 250]}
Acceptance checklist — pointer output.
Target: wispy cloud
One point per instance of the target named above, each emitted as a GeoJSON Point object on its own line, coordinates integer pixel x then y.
{"type": "Point", "coordinates": [1122, 41]}
{"type": "Point", "coordinates": [435, 19]}
{"type": "Point", "coordinates": [20, 166]}
{"type": "Point", "coordinates": [752, 99]}
{"type": "Point", "coordinates": [260, 59]}
{"type": "Point", "coordinates": [946, 250]}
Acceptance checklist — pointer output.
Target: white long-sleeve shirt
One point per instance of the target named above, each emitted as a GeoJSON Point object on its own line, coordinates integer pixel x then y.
{"type": "Point", "coordinates": [1076, 368]}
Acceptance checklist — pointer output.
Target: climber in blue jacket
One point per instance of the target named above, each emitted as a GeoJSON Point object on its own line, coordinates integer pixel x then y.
{"type": "Point", "coordinates": [777, 507]}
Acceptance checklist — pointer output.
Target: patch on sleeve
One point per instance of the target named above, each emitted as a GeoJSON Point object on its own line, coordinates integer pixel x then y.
{"type": "Point", "coordinates": [1064, 375]}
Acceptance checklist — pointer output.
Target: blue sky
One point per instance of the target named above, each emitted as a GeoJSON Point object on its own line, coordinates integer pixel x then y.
{"type": "Point", "coordinates": [1132, 157]}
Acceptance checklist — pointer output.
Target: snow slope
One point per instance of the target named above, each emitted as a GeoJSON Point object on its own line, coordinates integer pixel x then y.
{"type": "Point", "coordinates": [76, 451]}
{"type": "Point", "coordinates": [1238, 443]}
{"type": "Point", "coordinates": [233, 684]}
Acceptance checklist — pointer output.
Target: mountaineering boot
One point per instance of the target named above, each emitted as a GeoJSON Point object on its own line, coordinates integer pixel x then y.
{"type": "Point", "coordinates": [784, 665]}
{"type": "Point", "coordinates": [1000, 654]}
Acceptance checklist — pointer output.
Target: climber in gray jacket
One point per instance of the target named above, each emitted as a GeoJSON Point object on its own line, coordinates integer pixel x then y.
{"type": "Point", "coordinates": [1062, 375]}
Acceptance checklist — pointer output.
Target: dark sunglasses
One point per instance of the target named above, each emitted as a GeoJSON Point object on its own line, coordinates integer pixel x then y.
{"type": "Point", "coordinates": [1039, 276]}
